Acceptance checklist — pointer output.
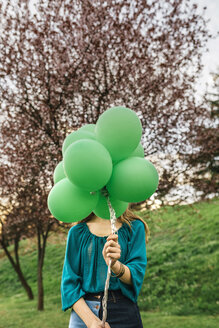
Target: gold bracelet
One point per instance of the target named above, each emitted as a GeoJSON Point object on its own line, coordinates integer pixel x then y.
{"type": "Point", "coordinates": [121, 271]}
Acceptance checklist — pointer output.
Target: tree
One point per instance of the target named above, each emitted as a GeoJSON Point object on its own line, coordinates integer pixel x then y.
{"type": "Point", "coordinates": [14, 227]}
{"type": "Point", "coordinates": [205, 158]}
{"type": "Point", "coordinates": [62, 66]}
{"type": "Point", "coordinates": [24, 214]}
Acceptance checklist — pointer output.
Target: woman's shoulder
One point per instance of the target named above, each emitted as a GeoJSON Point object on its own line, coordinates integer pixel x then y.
{"type": "Point", "coordinates": [137, 224]}
{"type": "Point", "coordinates": [75, 229]}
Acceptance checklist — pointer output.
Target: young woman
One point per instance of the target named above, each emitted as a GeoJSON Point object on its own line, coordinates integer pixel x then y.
{"type": "Point", "coordinates": [90, 245]}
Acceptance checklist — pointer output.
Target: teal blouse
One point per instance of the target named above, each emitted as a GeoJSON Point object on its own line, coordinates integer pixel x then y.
{"type": "Point", "coordinates": [85, 270]}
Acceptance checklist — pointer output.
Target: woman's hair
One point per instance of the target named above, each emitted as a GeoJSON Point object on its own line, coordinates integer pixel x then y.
{"type": "Point", "coordinates": [126, 217]}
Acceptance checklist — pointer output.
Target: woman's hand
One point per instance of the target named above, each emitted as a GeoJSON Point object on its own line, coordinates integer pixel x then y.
{"type": "Point", "coordinates": [111, 249]}
{"type": "Point", "coordinates": [97, 323]}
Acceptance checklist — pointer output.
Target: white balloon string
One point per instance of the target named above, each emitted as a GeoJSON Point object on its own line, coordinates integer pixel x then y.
{"type": "Point", "coordinates": [113, 227]}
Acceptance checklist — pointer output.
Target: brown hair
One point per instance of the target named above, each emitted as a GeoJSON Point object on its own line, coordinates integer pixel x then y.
{"type": "Point", "coordinates": [126, 217]}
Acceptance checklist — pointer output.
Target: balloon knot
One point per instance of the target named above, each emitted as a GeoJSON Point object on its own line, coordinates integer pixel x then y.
{"type": "Point", "coordinates": [104, 192]}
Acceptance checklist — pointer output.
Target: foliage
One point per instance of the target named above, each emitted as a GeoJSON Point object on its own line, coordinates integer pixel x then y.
{"type": "Point", "coordinates": [206, 159]}
{"type": "Point", "coordinates": [69, 62]}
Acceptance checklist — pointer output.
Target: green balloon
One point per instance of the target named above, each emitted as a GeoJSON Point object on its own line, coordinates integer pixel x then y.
{"type": "Point", "coordinates": [59, 173]}
{"type": "Point", "coordinates": [69, 203]}
{"type": "Point", "coordinates": [119, 130]}
{"type": "Point", "coordinates": [88, 127]}
{"type": "Point", "coordinates": [88, 164]}
{"type": "Point", "coordinates": [75, 136]}
{"type": "Point", "coordinates": [138, 152]}
{"type": "Point", "coordinates": [133, 180]}
{"type": "Point", "coordinates": [102, 208]}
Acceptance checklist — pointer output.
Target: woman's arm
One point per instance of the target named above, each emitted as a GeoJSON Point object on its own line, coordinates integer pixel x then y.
{"type": "Point", "coordinates": [126, 277]}
{"type": "Point", "coordinates": [135, 264]}
{"type": "Point", "coordinates": [112, 250]}
{"type": "Point", "coordinates": [84, 312]}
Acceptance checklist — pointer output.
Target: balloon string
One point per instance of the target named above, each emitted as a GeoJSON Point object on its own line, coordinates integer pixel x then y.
{"type": "Point", "coordinates": [105, 297]}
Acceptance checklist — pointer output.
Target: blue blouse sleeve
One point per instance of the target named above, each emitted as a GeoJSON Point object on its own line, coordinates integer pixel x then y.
{"type": "Point", "coordinates": [136, 261]}
{"type": "Point", "coordinates": [71, 290]}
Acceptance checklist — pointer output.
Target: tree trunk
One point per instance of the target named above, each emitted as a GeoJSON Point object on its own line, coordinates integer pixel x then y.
{"type": "Point", "coordinates": [17, 268]}
{"type": "Point", "coordinates": [25, 284]}
{"type": "Point", "coordinates": [41, 255]}
{"type": "Point", "coordinates": [40, 306]}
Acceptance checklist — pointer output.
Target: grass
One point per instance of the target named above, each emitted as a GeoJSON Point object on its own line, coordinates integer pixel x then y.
{"type": "Point", "coordinates": [181, 284]}
{"type": "Point", "coordinates": [16, 311]}
{"type": "Point", "coordinates": [182, 275]}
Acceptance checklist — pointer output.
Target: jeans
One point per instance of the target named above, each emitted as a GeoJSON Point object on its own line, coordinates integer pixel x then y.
{"type": "Point", "coordinates": [121, 311]}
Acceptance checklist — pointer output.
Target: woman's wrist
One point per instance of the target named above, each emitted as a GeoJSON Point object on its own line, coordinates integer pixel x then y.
{"type": "Point", "coordinates": [116, 267]}
{"type": "Point", "coordinates": [94, 320]}
{"type": "Point", "coordinates": [125, 276]}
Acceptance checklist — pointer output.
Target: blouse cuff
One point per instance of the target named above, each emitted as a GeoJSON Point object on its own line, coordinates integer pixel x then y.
{"type": "Point", "coordinates": [72, 298]}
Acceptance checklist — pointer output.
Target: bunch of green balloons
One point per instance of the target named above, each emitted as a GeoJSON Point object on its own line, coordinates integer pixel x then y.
{"type": "Point", "coordinates": [106, 155]}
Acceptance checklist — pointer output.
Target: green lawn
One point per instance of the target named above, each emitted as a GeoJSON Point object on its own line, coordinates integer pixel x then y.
{"type": "Point", "coordinates": [181, 285]}
{"type": "Point", "coordinates": [16, 312]}
{"type": "Point", "coordinates": [182, 275]}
